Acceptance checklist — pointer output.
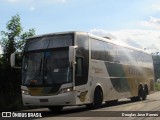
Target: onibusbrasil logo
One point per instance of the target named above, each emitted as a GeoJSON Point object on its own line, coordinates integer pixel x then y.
{"type": "Point", "coordinates": [21, 114]}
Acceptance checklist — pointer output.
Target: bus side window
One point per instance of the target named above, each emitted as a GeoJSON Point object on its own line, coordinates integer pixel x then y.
{"type": "Point", "coordinates": [79, 66]}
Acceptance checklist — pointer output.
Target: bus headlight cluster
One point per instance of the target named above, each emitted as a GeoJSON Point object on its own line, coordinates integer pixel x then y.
{"type": "Point", "coordinates": [26, 92]}
{"type": "Point", "coordinates": [64, 90]}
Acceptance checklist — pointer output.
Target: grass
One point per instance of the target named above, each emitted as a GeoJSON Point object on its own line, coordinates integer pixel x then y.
{"type": "Point", "coordinates": [157, 86]}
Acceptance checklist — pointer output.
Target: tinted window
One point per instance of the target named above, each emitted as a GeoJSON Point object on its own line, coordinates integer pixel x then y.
{"type": "Point", "coordinates": [123, 55]}
{"type": "Point", "coordinates": [103, 51]}
{"type": "Point", "coordinates": [46, 42]}
{"type": "Point", "coordinates": [82, 59]}
{"type": "Point", "coordinates": [98, 49]}
{"type": "Point", "coordinates": [111, 52]}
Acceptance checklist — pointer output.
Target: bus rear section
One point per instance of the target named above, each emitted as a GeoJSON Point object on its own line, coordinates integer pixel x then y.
{"type": "Point", "coordinates": [120, 71]}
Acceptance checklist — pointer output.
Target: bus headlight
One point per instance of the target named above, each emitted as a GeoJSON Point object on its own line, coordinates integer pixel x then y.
{"type": "Point", "coordinates": [26, 92]}
{"type": "Point", "coordinates": [64, 90]}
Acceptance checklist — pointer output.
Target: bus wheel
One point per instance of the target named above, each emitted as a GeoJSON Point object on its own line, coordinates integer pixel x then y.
{"type": "Point", "coordinates": [98, 97]}
{"type": "Point", "coordinates": [97, 100]}
{"type": "Point", "coordinates": [146, 89]}
{"type": "Point", "coordinates": [142, 94]}
{"type": "Point", "coordinates": [55, 108]}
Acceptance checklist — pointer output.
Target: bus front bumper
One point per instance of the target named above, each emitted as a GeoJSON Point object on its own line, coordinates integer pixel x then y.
{"type": "Point", "coordinates": [65, 99]}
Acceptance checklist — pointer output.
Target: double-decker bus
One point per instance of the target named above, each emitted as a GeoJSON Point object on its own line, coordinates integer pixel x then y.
{"type": "Point", "coordinates": [78, 68]}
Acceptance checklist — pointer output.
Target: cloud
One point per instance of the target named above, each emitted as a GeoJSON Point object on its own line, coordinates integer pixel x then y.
{"type": "Point", "coordinates": [102, 33]}
{"type": "Point", "coordinates": [156, 7]}
{"type": "Point", "coordinates": [154, 20]}
{"type": "Point", "coordinates": [149, 39]}
{"type": "Point", "coordinates": [153, 23]}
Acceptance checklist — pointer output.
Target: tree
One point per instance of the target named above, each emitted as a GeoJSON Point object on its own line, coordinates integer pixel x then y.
{"type": "Point", "coordinates": [14, 38]}
{"type": "Point", "coordinates": [23, 37]}
{"type": "Point", "coordinates": [156, 63]}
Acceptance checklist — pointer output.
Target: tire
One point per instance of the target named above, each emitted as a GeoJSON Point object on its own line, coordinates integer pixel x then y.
{"type": "Point", "coordinates": [146, 89]}
{"type": "Point", "coordinates": [140, 93]}
{"type": "Point", "coordinates": [144, 94]}
{"type": "Point", "coordinates": [55, 108]}
{"type": "Point", "coordinates": [97, 100]}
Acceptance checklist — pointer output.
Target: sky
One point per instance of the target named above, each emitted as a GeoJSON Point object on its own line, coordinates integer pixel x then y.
{"type": "Point", "coordinates": [135, 22]}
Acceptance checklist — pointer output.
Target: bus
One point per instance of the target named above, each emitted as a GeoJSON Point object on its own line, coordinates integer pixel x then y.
{"type": "Point", "coordinates": [78, 68]}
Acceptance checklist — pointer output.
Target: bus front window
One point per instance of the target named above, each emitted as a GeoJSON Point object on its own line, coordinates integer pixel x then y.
{"type": "Point", "coordinates": [46, 68]}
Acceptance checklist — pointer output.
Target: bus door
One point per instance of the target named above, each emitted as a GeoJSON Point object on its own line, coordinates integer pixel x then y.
{"type": "Point", "coordinates": [80, 80]}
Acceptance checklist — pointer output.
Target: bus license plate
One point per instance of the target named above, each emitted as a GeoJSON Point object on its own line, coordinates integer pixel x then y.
{"type": "Point", "coordinates": [43, 100]}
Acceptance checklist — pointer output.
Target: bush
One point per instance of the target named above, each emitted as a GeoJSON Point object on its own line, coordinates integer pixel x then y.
{"type": "Point", "coordinates": [10, 91]}
{"type": "Point", "coordinates": [157, 86]}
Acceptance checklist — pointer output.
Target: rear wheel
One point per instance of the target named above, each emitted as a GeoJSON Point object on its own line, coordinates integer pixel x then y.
{"type": "Point", "coordinates": [55, 108]}
{"type": "Point", "coordinates": [146, 89]}
{"type": "Point", "coordinates": [142, 94]}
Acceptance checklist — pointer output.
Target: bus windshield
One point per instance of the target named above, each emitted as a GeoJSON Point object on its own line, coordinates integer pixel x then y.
{"type": "Point", "coordinates": [46, 68]}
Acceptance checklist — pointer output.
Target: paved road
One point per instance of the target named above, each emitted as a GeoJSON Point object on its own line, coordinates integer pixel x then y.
{"type": "Point", "coordinates": [124, 107]}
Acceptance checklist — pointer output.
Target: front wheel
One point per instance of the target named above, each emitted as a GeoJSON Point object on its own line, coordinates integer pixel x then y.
{"type": "Point", "coordinates": [97, 100]}
{"type": "Point", "coordinates": [55, 108]}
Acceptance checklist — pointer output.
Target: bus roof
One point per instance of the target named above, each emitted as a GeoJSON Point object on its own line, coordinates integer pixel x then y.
{"type": "Point", "coordinates": [51, 34]}
{"type": "Point", "coordinates": [93, 36]}
{"type": "Point", "coordinates": [112, 41]}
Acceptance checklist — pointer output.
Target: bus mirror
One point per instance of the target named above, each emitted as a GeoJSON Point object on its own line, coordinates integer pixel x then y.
{"type": "Point", "coordinates": [16, 60]}
{"type": "Point", "coordinates": [12, 59]}
{"type": "Point", "coordinates": [72, 54]}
